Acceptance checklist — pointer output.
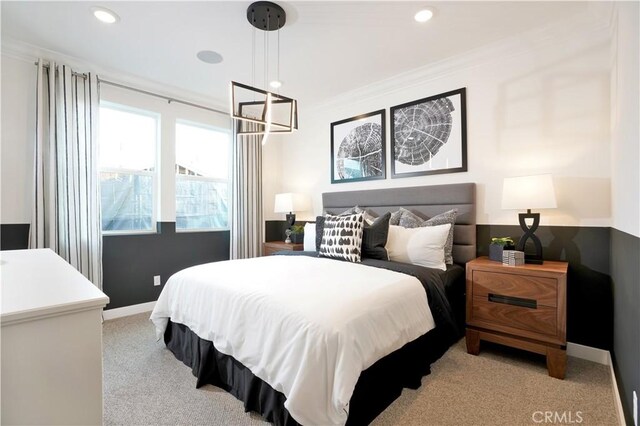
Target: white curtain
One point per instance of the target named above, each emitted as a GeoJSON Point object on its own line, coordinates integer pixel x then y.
{"type": "Point", "coordinates": [246, 214]}
{"type": "Point", "coordinates": [66, 208]}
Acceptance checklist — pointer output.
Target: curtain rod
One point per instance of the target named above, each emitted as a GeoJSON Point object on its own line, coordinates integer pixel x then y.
{"type": "Point", "coordinates": [76, 74]}
{"type": "Point", "coordinates": [168, 99]}
{"type": "Point", "coordinates": [145, 92]}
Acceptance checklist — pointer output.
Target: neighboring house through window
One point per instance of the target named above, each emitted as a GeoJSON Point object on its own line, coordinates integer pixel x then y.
{"type": "Point", "coordinates": [128, 141]}
{"type": "Point", "coordinates": [202, 176]}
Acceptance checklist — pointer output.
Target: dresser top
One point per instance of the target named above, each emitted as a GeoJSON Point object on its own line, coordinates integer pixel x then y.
{"type": "Point", "coordinates": [39, 283]}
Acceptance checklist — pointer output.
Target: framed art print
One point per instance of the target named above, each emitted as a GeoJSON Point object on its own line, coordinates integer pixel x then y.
{"type": "Point", "coordinates": [358, 148]}
{"type": "Point", "coordinates": [429, 136]}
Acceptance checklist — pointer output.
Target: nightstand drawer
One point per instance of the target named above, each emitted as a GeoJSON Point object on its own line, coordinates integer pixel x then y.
{"type": "Point", "coordinates": [542, 319]}
{"type": "Point", "coordinates": [271, 247]}
{"type": "Point", "coordinates": [543, 290]}
{"type": "Point", "coordinates": [268, 251]}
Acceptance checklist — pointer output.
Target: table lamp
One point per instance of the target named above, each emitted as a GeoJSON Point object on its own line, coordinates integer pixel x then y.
{"type": "Point", "coordinates": [290, 203]}
{"type": "Point", "coordinates": [529, 192]}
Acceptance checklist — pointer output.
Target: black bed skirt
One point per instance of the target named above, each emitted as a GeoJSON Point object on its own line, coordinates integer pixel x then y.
{"type": "Point", "coordinates": [377, 387]}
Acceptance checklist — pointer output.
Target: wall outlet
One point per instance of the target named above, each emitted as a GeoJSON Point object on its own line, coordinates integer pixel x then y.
{"type": "Point", "coordinates": [635, 408]}
{"type": "Point", "coordinates": [156, 280]}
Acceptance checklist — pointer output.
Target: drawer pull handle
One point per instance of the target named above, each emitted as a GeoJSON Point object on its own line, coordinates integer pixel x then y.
{"type": "Point", "coordinates": [515, 301]}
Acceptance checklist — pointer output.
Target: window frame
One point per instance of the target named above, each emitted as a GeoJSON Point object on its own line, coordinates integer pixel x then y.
{"type": "Point", "coordinates": [218, 129]}
{"type": "Point", "coordinates": [155, 196]}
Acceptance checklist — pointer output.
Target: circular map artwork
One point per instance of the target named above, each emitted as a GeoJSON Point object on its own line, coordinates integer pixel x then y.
{"type": "Point", "coordinates": [360, 152]}
{"type": "Point", "coordinates": [421, 130]}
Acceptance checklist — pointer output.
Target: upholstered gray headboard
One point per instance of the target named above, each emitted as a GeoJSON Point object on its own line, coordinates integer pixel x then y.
{"type": "Point", "coordinates": [425, 200]}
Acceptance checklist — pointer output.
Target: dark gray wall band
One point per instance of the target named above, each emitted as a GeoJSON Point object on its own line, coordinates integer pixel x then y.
{"type": "Point", "coordinates": [14, 236]}
{"type": "Point", "coordinates": [129, 262]}
{"type": "Point", "coordinates": [625, 277]}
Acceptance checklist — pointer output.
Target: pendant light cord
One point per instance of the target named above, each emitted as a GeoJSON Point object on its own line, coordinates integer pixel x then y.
{"type": "Point", "coordinates": [278, 69]}
{"type": "Point", "coordinates": [253, 53]}
{"type": "Point", "coordinates": [266, 55]}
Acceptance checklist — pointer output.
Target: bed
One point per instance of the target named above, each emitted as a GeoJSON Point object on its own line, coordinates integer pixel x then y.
{"type": "Point", "coordinates": [333, 346]}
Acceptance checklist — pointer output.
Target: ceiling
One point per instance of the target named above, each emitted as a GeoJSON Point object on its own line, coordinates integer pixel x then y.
{"type": "Point", "coordinates": [327, 48]}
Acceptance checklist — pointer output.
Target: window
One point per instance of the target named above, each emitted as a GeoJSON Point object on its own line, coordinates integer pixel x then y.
{"type": "Point", "coordinates": [127, 160]}
{"type": "Point", "coordinates": [202, 177]}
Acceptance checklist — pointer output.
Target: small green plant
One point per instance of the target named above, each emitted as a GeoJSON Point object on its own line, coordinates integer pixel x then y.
{"type": "Point", "coordinates": [297, 229]}
{"type": "Point", "coordinates": [502, 241]}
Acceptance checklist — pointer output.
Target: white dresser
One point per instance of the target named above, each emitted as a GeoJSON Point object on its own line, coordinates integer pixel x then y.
{"type": "Point", "coordinates": [51, 341]}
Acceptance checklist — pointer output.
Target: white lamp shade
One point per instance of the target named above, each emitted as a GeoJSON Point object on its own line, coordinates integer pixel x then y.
{"type": "Point", "coordinates": [528, 192]}
{"type": "Point", "coordinates": [291, 202]}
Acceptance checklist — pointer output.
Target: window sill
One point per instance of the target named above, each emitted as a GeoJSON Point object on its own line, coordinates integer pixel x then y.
{"type": "Point", "coordinates": [118, 233]}
{"type": "Point", "coordinates": [186, 231]}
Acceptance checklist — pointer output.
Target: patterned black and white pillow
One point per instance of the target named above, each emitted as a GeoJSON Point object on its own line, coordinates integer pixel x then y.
{"type": "Point", "coordinates": [342, 237]}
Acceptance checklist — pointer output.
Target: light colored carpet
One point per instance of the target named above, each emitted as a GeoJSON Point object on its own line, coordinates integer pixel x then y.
{"type": "Point", "coordinates": [145, 385]}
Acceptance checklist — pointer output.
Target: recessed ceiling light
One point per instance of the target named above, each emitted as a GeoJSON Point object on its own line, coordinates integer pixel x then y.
{"type": "Point", "coordinates": [209, 56]}
{"type": "Point", "coordinates": [424, 15]}
{"type": "Point", "coordinates": [105, 15]}
{"type": "Point", "coordinates": [276, 84]}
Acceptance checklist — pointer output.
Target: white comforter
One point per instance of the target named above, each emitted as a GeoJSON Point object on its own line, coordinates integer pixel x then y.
{"type": "Point", "coordinates": [306, 326]}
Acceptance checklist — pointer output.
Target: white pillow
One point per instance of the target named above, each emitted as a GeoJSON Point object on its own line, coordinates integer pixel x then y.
{"type": "Point", "coordinates": [309, 243]}
{"type": "Point", "coordinates": [419, 246]}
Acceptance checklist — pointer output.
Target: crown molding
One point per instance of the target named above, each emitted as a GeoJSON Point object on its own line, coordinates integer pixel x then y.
{"type": "Point", "coordinates": [26, 52]}
{"type": "Point", "coordinates": [592, 24]}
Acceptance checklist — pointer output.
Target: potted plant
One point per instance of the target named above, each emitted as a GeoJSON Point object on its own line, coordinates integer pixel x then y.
{"type": "Point", "coordinates": [498, 245]}
{"type": "Point", "coordinates": [297, 234]}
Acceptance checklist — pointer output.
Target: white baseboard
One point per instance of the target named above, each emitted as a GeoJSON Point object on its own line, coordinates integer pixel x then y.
{"type": "Point", "coordinates": [125, 311]}
{"type": "Point", "coordinates": [601, 357]}
{"type": "Point", "coordinates": [590, 354]}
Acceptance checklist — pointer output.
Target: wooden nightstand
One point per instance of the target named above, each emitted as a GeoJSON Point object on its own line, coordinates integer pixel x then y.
{"type": "Point", "coordinates": [520, 306]}
{"type": "Point", "coordinates": [271, 247]}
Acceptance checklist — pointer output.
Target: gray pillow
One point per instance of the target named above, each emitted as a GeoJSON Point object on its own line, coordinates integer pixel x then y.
{"type": "Point", "coordinates": [411, 220]}
{"type": "Point", "coordinates": [395, 217]}
{"type": "Point", "coordinates": [369, 216]}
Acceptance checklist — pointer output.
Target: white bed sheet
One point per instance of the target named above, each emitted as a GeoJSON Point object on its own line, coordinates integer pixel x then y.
{"type": "Point", "coordinates": [306, 326]}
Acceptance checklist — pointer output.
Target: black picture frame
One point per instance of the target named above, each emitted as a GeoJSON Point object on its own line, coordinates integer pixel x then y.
{"type": "Point", "coordinates": [442, 109]}
{"type": "Point", "coordinates": [346, 132]}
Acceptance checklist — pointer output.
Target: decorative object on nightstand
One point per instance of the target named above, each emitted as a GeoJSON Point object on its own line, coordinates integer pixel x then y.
{"type": "Point", "coordinates": [297, 234]}
{"type": "Point", "coordinates": [498, 245]}
{"type": "Point", "coordinates": [529, 192]}
{"type": "Point", "coordinates": [271, 247]}
{"type": "Point", "coordinates": [513, 258]}
{"type": "Point", "coordinates": [290, 203]}
{"type": "Point", "coordinates": [520, 306]}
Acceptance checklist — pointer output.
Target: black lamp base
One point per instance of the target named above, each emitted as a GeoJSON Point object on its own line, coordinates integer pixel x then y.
{"type": "Point", "coordinates": [291, 219]}
{"type": "Point", "coordinates": [532, 259]}
{"type": "Point", "coordinates": [535, 257]}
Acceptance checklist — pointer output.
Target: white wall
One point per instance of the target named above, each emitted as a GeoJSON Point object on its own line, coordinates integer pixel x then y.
{"type": "Point", "coordinates": [18, 133]}
{"type": "Point", "coordinates": [533, 106]}
{"type": "Point", "coordinates": [625, 124]}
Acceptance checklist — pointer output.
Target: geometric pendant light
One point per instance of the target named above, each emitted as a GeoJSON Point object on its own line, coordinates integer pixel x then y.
{"type": "Point", "coordinates": [269, 111]}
